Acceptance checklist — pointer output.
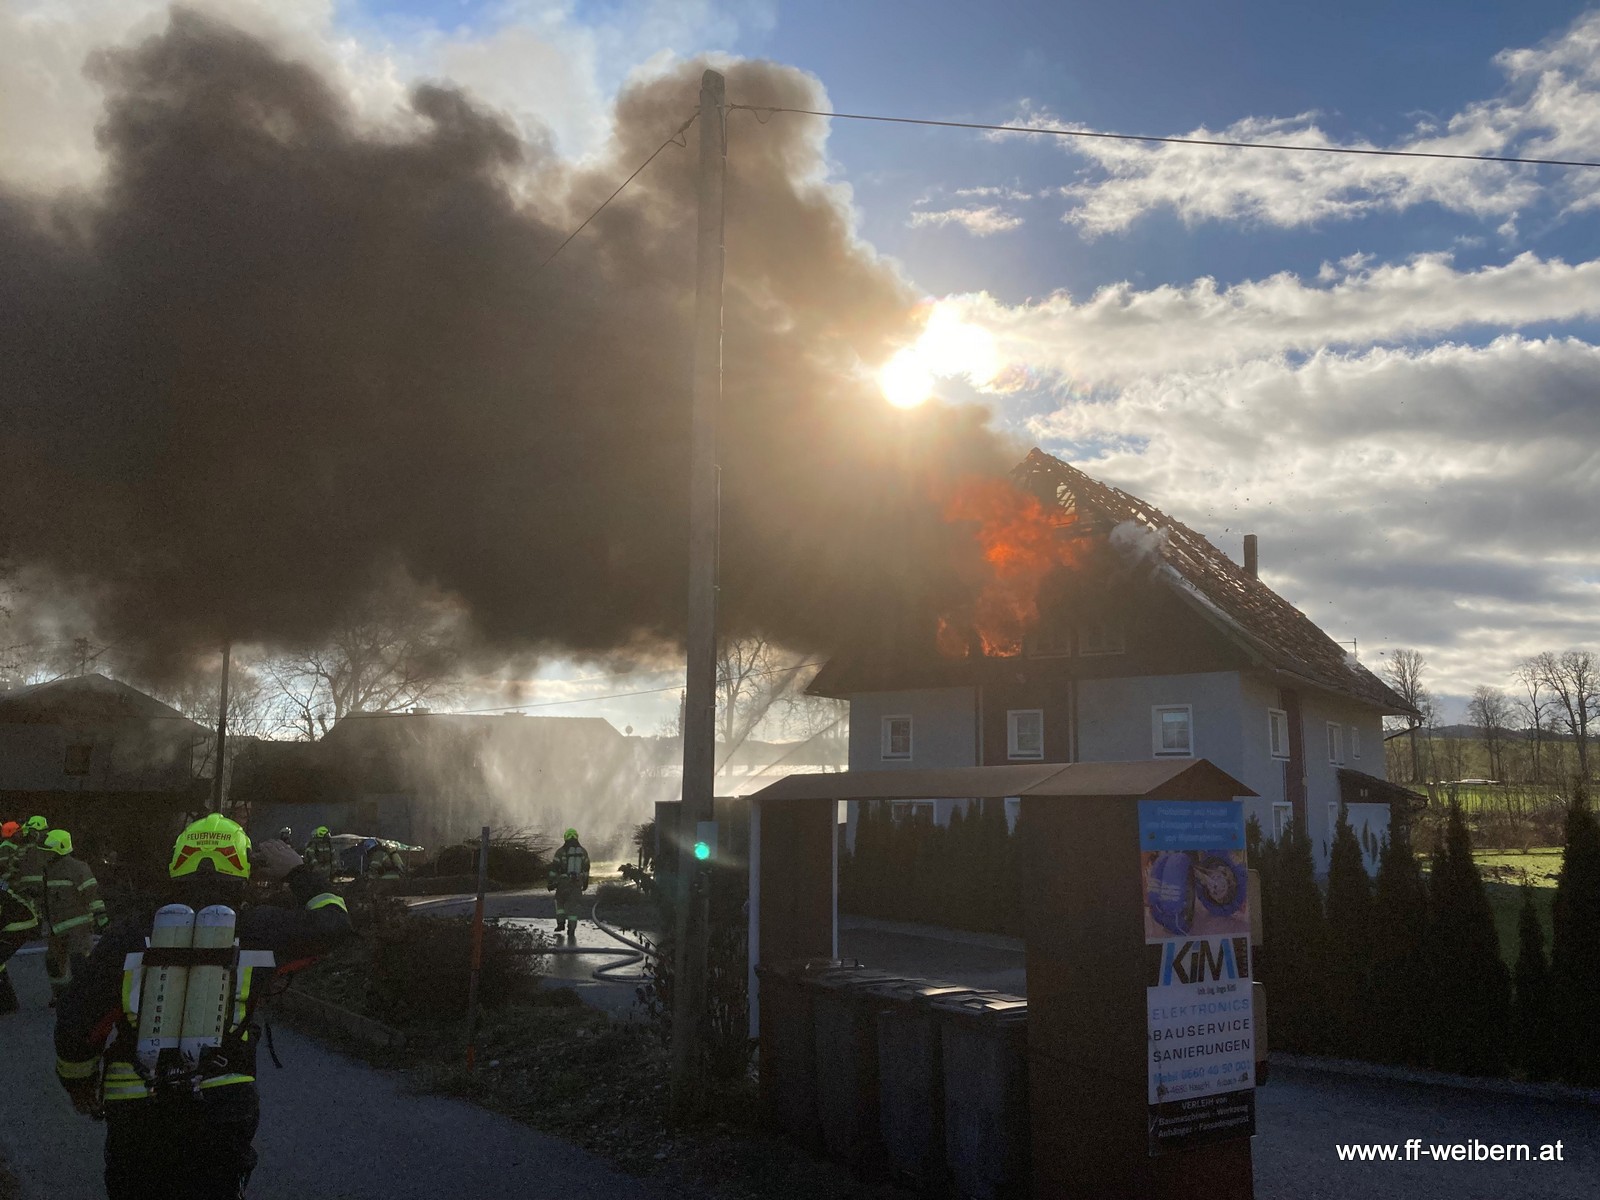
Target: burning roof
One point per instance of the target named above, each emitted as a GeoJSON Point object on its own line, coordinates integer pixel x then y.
{"type": "Point", "coordinates": [1059, 519]}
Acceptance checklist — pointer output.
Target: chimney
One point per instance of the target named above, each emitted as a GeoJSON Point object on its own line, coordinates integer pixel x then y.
{"type": "Point", "coordinates": [1250, 555]}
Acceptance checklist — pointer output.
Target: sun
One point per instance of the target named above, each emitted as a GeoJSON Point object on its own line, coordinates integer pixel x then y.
{"type": "Point", "coordinates": [948, 348]}
{"type": "Point", "coordinates": [905, 379]}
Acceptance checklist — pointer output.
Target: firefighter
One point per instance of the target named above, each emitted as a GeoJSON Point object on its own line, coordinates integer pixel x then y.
{"type": "Point", "coordinates": [73, 910]}
{"type": "Point", "coordinates": [383, 868]}
{"type": "Point", "coordinates": [569, 879]}
{"type": "Point", "coordinates": [183, 1131]}
{"type": "Point", "coordinates": [26, 870]}
{"type": "Point", "coordinates": [18, 923]}
{"type": "Point", "coordinates": [319, 855]}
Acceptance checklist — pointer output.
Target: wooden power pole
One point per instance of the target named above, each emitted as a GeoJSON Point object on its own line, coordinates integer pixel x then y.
{"type": "Point", "coordinates": [700, 698]}
{"type": "Point", "coordinates": [222, 729]}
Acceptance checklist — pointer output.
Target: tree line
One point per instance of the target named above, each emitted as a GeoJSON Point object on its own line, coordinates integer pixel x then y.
{"type": "Point", "coordinates": [1407, 968]}
{"type": "Point", "coordinates": [1539, 731]}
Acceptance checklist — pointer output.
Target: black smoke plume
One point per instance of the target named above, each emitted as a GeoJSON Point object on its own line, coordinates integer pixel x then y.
{"type": "Point", "coordinates": [280, 355]}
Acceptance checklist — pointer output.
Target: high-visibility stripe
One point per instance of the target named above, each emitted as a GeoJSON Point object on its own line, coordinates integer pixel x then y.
{"type": "Point", "coordinates": [76, 1070]}
{"type": "Point", "coordinates": [324, 900]}
{"type": "Point", "coordinates": [71, 924]}
{"type": "Point", "coordinates": [20, 925]}
{"type": "Point", "coordinates": [225, 1080]}
{"type": "Point", "coordinates": [88, 883]}
{"type": "Point", "coordinates": [66, 883]}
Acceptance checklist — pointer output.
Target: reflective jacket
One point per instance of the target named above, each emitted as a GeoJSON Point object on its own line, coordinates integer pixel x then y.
{"type": "Point", "coordinates": [27, 872]}
{"type": "Point", "coordinates": [92, 1016]}
{"type": "Point", "coordinates": [570, 862]}
{"type": "Point", "coordinates": [71, 896]}
{"type": "Point", "coordinates": [384, 863]}
{"type": "Point", "coordinates": [319, 855]}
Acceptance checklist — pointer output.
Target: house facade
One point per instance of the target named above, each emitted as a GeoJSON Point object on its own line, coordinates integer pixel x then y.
{"type": "Point", "coordinates": [1158, 647]}
{"type": "Point", "coordinates": [113, 766]}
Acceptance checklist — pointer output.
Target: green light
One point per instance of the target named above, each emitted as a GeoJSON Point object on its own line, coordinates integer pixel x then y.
{"type": "Point", "coordinates": [702, 851]}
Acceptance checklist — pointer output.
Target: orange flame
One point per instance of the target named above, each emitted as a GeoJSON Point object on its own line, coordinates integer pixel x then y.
{"type": "Point", "coordinates": [1022, 543]}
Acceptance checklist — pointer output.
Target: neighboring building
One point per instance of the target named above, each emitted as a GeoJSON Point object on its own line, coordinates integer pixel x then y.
{"type": "Point", "coordinates": [115, 767]}
{"type": "Point", "coordinates": [1156, 645]}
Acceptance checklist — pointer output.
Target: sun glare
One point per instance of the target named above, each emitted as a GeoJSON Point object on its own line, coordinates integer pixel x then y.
{"type": "Point", "coordinates": [948, 348]}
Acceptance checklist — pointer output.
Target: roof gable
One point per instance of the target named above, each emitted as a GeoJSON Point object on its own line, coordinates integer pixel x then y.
{"type": "Point", "coordinates": [86, 697]}
{"type": "Point", "coordinates": [1268, 627]}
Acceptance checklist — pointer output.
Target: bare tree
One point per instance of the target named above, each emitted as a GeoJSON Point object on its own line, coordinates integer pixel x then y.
{"type": "Point", "coordinates": [1533, 706]}
{"type": "Point", "coordinates": [392, 654]}
{"type": "Point", "coordinates": [753, 676]}
{"type": "Point", "coordinates": [1490, 711]}
{"type": "Point", "coordinates": [1574, 680]}
{"type": "Point", "coordinates": [253, 709]}
{"type": "Point", "coordinates": [1403, 672]}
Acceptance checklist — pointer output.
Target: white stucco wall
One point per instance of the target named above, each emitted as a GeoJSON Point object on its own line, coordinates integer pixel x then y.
{"type": "Point", "coordinates": [944, 733]}
{"type": "Point", "coordinates": [1322, 775]}
{"type": "Point", "coordinates": [1114, 716]}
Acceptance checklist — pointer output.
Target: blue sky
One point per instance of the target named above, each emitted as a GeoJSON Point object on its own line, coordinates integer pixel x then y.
{"type": "Point", "coordinates": [1389, 370]}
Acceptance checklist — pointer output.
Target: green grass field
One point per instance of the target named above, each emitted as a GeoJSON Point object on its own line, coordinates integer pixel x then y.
{"type": "Point", "coordinates": [1504, 872]}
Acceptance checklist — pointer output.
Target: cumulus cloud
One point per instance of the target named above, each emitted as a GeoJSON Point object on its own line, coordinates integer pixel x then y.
{"type": "Point", "coordinates": [1438, 497]}
{"type": "Point", "coordinates": [1121, 333]}
{"type": "Point", "coordinates": [1549, 107]}
{"type": "Point", "coordinates": [980, 221]}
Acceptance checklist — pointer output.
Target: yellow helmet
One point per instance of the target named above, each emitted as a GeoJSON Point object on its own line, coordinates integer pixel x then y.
{"type": "Point", "coordinates": [570, 835]}
{"type": "Point", "coordinates": [216, 840]}
{"type": "Point", "coordinates": [58, 840]}
{"type": "Point", "coordinates": [37, 824]}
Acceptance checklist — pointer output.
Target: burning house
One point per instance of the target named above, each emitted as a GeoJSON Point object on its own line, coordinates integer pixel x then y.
{"type": "Point", "coordinates": [1106, 630]}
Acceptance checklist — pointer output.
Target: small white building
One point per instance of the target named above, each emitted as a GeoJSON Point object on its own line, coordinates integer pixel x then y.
{"type": "Point", "coordinates": [1155, 645]}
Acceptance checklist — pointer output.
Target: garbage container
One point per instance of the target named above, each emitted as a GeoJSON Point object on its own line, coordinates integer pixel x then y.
{"type": "Point", "coordinates": [984, 1043]}
{"type": "Point", "coordinates": [911, 1079]}
{"type": "Point", "coordinates": [788, 1048]}
{"type": "Point", "coordinates": [845, 1021]}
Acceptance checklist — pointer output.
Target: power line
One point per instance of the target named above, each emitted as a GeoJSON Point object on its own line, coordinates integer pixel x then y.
{"type": "Point", "coordinates": [1174, 141]}
{"type": "Point", "coordinates": [676, 134]}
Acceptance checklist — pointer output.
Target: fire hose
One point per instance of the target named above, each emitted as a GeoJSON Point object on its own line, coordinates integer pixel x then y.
{"type": "Point", "coordinates": [634, 953]}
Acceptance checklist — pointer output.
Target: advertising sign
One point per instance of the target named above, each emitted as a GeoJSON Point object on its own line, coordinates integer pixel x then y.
{"type": "Point", "coordinates": [1201, 1063]}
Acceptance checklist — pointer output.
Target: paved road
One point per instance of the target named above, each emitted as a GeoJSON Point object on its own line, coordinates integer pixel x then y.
{"type": "Point", "coordinates": [332, 1129]}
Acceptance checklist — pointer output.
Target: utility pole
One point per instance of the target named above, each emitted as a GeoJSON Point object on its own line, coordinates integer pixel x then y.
{"type": "Point", "coordinates": [700, 697]}
{"type": "Point", "coordinates": [222, 729]}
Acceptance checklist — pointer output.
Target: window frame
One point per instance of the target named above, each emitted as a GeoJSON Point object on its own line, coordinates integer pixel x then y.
{"type": "Point", "coordinates": [1333, 822]}
{"type": "Point", "coordinates": [1277, 717]}
{"type": "Point", "coordinates": [1013, 740]}
{"type": "Point", "coordinates": [1113, 638]}
{"type": "Point", "coordinates": [85, 767]}
{"type": "Point", "coordinates": [1279, 809]}
{"type": "Point", "coordinates": [887, 737]}
{"type": "Point", "coordinates": [1355, 741]}
{"type": "Point", "coordinates": [1156, 726]}
{"type": "Point", "coordinates": [1335, 743]}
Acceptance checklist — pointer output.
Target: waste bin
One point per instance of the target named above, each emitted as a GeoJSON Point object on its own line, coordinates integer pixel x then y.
{"type": "Point", "coordinates": [788, 1048]}
{"type": "Point", "coordinates": [984, 1042]}
{"type": "Point", "coordinates": [911, 1079]}
{"type": "Point", "coordinates": [845, 1021]}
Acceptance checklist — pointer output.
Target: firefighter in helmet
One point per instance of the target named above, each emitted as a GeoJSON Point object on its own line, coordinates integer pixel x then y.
{"type": "Point", "coordinates": [73, 911]}
{"type": "Point", "coordinates": [569, 879]}
{"type": "Point", "coordinates": [319, 855]}
{"type": "Point", "coordinates": [181, 1111]}
{"type": "Point", "coordinates": [18, 920]}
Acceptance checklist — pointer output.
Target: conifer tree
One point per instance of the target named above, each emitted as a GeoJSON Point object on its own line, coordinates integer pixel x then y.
{"type": "Point", "coordinates": [1533, 1018]}
{"type": "Point", "coordinates": [1470, 985]}
{"type": "Point", "coordinates": [1296, 936]}
{"type": "Point", "coordinates": [1575, 950]}
{"type": "Point", "coordinates": [1400, 1000]}
{"type": "Point", "coordinates": [1349, 908]}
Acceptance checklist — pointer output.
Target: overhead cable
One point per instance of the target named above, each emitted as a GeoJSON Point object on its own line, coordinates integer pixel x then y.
{"type": "Point", "coordinates": [676, 138]}
{"type": "Point", "coordinates": [762, 111]}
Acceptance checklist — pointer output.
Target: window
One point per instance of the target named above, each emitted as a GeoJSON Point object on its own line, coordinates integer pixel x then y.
{"type": "Point", "coordinates": [1172, 730]}
{"type": "Point", "coordinates": [912, 812]}
{"type": "Point", "coordinates": [1282, 818]}
{"type": "Point", "coordinates": [1104, 636]}
{"type": "Point", "coordinates": [1025, 733]}
{"type": "Point", "coordinates": [1355, 742]}
{"type": "Point", "coordinates": [1335, 743]}
{"type": "Point", "coordinates": [78, 759]}
{"type": "Point", "coordinates": [1278, 732]}
{"type": "Point", "coordinates": [1052, 638]}
{"type": "Point", "coordinates": [1333, 820]}
{"type": "Point", "coordinates": [897, 737]}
